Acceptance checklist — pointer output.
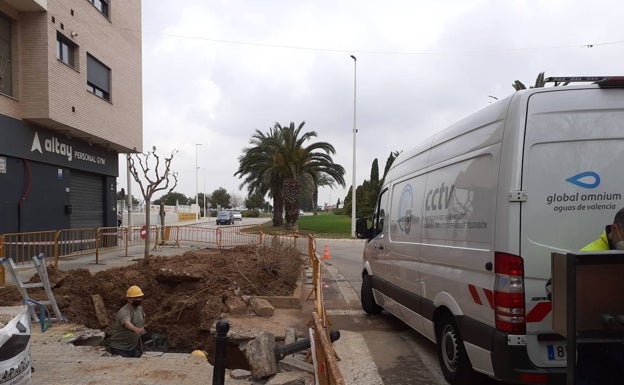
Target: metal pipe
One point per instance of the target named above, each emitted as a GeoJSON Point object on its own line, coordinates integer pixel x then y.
{"type": "Point", "coordinates": [304, 343]}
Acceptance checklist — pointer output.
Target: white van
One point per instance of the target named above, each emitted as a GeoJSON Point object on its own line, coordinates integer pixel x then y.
{"type": "Point", "coordinates": [465, 224]}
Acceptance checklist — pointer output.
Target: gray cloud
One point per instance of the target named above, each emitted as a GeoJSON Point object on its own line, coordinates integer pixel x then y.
{"type": "Point", "coordinates": [213, 72]}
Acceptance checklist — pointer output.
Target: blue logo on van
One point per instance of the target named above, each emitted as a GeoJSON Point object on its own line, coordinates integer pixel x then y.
{"type": "Point", "coordinates": [587, 179]}
{"type": "Point", "coordinates": [405, 209]}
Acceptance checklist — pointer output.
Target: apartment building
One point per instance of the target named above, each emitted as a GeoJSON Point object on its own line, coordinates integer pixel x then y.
{"type": "Point", "coordinates": [70, 102]}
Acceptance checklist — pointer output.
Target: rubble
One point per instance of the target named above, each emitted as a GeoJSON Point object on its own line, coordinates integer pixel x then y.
{"type": "Point", "coordinates": [263, 308]}
{"type": "Point", "coordinates": [259, 353]}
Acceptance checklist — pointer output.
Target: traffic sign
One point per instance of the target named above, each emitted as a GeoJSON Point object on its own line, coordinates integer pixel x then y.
{"type": "Point", "coordinates": [143, 232]}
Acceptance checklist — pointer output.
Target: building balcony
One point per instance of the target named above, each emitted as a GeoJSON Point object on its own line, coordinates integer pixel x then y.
{"type": "Point", "coordinates": [28, 5]}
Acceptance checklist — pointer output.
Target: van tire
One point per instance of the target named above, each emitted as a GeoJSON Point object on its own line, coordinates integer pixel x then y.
{"type": "Point", "coordinates": [368, 300]}
{"type": "Point", "coordinates": [452, 354]}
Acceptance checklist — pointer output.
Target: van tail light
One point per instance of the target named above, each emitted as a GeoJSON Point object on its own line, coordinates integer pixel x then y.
{"type": "Point", "coordinates": [509, 306]}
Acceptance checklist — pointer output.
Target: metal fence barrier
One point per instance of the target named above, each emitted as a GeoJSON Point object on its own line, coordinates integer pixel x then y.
{"type": "Point", "coordinates": [326, 367]}
{"type": "Point", "coordinates": [72, 242]}
{"type": "Point", "coordinates": [110, 239]}
{"type": "Point", "coordinates": [22, 246]}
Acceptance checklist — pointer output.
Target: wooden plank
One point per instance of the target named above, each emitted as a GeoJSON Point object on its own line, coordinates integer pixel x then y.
{"type": "Point", "coordinates": [100, 310]}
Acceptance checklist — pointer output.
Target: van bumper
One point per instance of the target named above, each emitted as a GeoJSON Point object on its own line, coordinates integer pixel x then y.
{"type": "Point", "coordinates": [512, 364]}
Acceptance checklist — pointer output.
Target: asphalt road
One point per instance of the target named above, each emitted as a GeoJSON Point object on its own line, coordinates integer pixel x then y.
{"type": "Point", "coordinates": [402, 356]}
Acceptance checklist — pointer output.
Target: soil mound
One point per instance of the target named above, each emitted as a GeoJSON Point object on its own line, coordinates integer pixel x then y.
{"type": "Point", "coordinates": [184, 294]}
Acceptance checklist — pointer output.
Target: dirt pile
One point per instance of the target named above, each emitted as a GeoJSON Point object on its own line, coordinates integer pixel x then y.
{"type": "Point", "coordinates": [184, 294]}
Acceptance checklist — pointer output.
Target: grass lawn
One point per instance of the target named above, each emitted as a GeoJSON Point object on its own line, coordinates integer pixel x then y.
{"type": "Point", "coordinates": [324, 225]}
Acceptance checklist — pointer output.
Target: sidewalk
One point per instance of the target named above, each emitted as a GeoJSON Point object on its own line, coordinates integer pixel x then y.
{"type": "Point", "coordinates": [59, 363]}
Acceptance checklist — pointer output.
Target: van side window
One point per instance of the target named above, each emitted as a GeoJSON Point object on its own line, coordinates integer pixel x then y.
{"type": "Point", "coordinates": [380, 212]}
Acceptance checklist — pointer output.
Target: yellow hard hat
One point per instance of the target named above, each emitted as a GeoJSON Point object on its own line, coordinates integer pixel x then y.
{"type": "Point", "coordinates": [134, 291]}
{"type": "Point", "coordinates": [200, 353]}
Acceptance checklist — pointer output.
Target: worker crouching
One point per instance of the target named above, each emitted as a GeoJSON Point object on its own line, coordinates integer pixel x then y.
{"type": "Point", "coordinates": [129, 324]}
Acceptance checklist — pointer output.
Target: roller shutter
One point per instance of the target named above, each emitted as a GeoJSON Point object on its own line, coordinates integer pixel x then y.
{"type": "Point", "coordinates": [87, 200]}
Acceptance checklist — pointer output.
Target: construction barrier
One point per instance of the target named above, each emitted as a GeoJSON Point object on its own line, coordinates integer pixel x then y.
{"type": "Point", "coordinates": [326, 366]}
{"type": "Point", "coordinates": [110, 239]}
{"type": "Point", "coordinates": [22, 246]}
{"type": "Point", "coordinates": [72, 242]}
{"type": "Point", "coordinates": [231, 236]}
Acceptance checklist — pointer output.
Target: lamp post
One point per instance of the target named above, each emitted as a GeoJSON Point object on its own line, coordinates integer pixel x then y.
{"type": "Point", "coordinates": [205, 211]}
{"type": "Point", "coordinates": [354, 132]}
{"type": "Point", "coordinates": [196, 169]}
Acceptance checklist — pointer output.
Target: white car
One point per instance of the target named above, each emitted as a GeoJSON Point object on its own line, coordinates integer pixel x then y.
{"type": "Point", "coordinates": [237, 216]}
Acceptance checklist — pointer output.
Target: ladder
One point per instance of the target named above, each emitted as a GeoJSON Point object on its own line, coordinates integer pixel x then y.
{"type": "Point", "coordinates": [33, 305]}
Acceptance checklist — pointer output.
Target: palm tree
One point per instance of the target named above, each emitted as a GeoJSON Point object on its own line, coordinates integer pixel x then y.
{"type": "Point", "coordinates": [539, 82]}
{"type": "Point", "coordinates": [261, 175]}
{"type": "Point", "coordinates": [279, 163]}
{"type": "Point", "coordinates": [297, 162]}
{"type": "Point", "coordinates": [321, 181]}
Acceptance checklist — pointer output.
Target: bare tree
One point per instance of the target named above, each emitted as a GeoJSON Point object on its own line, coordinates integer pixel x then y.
{"type": "Point", "coordinates": [237, 201]}
{"type": "Point", "coordinates": [156, 179]}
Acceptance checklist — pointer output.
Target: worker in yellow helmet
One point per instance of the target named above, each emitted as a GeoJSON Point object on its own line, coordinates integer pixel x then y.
{"type": "Point", "coordinates": [129, 326]}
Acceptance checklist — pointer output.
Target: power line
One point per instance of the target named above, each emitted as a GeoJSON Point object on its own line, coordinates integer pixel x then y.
{"type": "Point", "coordinates": [387, 52]}
{"type": "Point", "coordinates": [373, 52]}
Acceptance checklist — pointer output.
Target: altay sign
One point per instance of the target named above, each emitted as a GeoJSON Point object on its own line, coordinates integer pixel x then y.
{"type": "Point", "coordinates": [22, 140]}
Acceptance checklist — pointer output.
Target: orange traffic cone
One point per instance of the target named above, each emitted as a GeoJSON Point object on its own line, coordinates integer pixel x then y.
{"type": "Point", "coordinates": [326, 254]}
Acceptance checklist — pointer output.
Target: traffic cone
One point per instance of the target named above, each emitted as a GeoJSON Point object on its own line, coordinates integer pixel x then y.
{"type": "Point", "coordinates": [326, 254]}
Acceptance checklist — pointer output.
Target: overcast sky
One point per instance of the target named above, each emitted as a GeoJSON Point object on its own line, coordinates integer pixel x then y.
{"type": "Point", "coordinates": [215, 71]}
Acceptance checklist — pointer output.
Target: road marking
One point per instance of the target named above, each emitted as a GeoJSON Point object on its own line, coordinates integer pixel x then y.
{"type": "Point", "coordinates": [356, 363]}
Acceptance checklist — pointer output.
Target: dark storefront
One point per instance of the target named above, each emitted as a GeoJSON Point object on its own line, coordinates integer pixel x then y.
{"type": "Point", "coordinates": [51, 181]}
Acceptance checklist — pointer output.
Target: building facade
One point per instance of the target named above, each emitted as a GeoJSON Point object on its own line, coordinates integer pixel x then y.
{"type": "Point", "coordinates": [70, 102]}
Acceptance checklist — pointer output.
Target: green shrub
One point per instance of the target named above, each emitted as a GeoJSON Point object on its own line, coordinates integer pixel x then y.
{"type": "Point", "coordinates": [254, 213]}
{"type": "Point", "coordinates": [338, 212]}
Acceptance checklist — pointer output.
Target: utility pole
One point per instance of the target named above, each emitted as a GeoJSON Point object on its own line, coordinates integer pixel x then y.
{"type": "Point", "coordinates": [196, 170]}
{"type": "Point", "coordinates": [353, 186]}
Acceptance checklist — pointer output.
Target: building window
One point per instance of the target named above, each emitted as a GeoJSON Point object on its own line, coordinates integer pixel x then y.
{"type": "Point", "coordinates": [101, 5]}
{"type": "Point", "coordinates": [65, 50]}
{"type": "Point", "coordinates": [98, 78]}
{"type": "Point", "coordinates": [6, 71]}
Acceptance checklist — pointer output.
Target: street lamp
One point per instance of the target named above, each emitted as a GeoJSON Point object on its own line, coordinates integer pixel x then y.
{"type": "Point", "coordinates": [354, 132]}
{"type": "Point", "coordinates": [205, 211]}
{"type": "Point", "coordinates": [196, 169]}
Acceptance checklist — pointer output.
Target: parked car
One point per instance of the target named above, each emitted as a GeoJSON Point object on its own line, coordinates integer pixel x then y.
{"type": "Point", "coordinates": [225, 218]}
{"type": "Point", "coordinates": [237, 216]}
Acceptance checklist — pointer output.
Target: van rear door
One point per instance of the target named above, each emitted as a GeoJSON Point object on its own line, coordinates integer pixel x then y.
{"type": "Point", "coordinates": [572, 173]}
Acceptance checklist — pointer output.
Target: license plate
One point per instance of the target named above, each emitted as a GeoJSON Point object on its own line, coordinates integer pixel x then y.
{"type": "Point", "coordinates": [557, 352]}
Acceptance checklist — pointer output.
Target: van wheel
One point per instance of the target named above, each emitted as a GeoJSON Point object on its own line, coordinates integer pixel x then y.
{"type": "Point", "coordinates": [368, 300]}
{"type": "Point", "coordinates": [452, 355]}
